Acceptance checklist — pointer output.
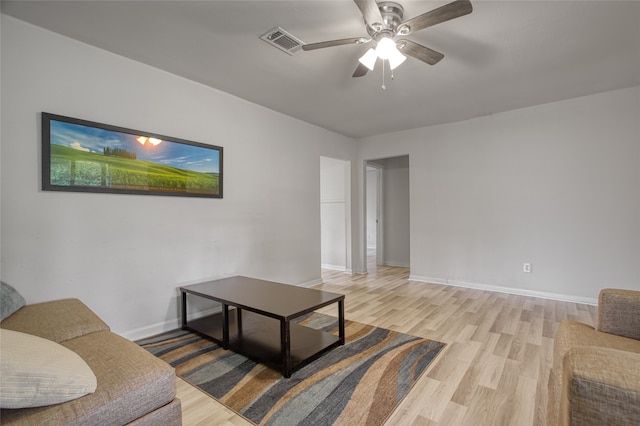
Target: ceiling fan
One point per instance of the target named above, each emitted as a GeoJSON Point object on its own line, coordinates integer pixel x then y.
{"type": "Point", "coordinates": [384, 23]}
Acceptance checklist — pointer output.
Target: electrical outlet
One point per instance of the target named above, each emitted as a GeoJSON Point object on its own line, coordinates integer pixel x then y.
{"type": "Point", "coordinates": [526, 267]}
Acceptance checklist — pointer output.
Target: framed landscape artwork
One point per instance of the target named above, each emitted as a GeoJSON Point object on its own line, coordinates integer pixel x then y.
{"type": "Point", "coordinates": [84, 156]}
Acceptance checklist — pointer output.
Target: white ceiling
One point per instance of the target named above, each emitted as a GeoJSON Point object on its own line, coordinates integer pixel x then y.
{"type": "Point", "coordinates": [504, 55]}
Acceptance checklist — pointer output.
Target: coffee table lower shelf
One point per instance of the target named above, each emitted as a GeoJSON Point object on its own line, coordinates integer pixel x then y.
{"type": "Point", "coordinates": [259, 338]}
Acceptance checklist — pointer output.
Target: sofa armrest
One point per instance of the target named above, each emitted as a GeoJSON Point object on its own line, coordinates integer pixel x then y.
{"type": "Point", "coordinates": [601, 386]}
{"type": "Point", "coordinates": [619, 312]}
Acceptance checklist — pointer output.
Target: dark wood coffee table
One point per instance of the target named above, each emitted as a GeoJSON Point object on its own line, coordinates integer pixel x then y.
{"type": "Point", "coordinates": [259, 324]}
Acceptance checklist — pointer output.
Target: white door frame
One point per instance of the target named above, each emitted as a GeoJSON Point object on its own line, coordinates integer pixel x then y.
{"type": "Point", "coordinates": [379, 211]}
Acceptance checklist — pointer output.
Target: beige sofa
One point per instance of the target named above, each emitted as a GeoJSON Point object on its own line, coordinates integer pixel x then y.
{"type": "Point", "coordinates": [595, 377]}
{"type": "Point", "coordinates": [133, 386]}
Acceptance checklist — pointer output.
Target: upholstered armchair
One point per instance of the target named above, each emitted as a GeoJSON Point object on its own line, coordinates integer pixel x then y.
{"type": "Point", "coordinates": [595, 376]}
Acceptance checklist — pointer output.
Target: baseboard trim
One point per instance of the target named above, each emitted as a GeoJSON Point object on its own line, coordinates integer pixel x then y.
{"type": "Point", "coordinates": [428, 280]}
{"type": "Point", "coordinates": [396, 264]}
{"type": "Point", "coordinates": [311, 283]}
{"type": "Point", "coordinates": [345, 270]}
{"type": "Point", "coordinates": [333, 267]}
{"type": "Point", "coordinates": [508, 290]}
{"type": "Point", "coordinates": [164, 326]}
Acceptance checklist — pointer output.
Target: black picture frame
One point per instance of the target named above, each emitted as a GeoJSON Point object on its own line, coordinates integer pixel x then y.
{"type": "Point", "coordinates": [86, 156]}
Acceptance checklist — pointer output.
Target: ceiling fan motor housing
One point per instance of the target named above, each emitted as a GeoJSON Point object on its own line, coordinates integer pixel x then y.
{"type": "Point", "coordinates": [392, 14]}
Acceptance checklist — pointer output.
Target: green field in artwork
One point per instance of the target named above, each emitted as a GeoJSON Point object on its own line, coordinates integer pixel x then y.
{"type": "Point", "coordinates": [72, 167]}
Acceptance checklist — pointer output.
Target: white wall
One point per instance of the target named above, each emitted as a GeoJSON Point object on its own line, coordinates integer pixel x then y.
{"type": "Point", "coordinates": [556, 185]}
{"type": "Point", "coordinates": [125, 255]}
{"type": "Point", "coordinates": [0, 149]}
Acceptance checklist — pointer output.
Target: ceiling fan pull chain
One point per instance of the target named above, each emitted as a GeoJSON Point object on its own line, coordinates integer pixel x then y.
{"type": "Point", "coordinates": [383, 86]}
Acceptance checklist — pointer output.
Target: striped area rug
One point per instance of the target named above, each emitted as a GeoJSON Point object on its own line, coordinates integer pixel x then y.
{"type": "Point", "coordinates": [360, 383]}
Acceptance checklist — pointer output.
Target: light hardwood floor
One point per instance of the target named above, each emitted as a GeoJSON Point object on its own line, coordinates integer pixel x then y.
{"type": "Point", "coordinates": [493, 371]}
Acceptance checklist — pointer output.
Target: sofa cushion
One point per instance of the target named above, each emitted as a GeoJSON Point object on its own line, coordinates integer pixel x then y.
{"type": "Point", "coordinates": [131, 383]}
{"type": "Point", "coordinates": [601, 387]}
{"type": "Point", "coordinates": [170, 414]}
{"type": "Point", "coordinates": [619, 312]}
{"type": "Point", "coordinates": [35, 372]}
{"type": "Point", "coordinates": [10, 300]}
{"type": "Point", "coordinates": [58, 320]}
{"type": "Point", "coordinates": [572, 334]}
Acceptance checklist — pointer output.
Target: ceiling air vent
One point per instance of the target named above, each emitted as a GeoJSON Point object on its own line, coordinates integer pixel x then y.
{"type": "Point", "coordinates": [284, 41]}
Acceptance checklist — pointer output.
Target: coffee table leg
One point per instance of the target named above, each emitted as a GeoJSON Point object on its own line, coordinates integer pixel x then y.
{"type": "Point", "coordinates": [341, 321]}
{"type": "Point", "coordinates": [184, 310]}
{"type": "Point", "coordinates": [225, 326]}
{"type": "Point", "coordinates": [285, 345]}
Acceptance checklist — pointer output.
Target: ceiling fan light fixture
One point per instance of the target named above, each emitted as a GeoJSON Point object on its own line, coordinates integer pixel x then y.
{"type": "Point", "coordinates": [395, 59]}
{"type": "Point", "coordinates": [369, 59]}
{"type": "Point", "coordinates": [385, 48]}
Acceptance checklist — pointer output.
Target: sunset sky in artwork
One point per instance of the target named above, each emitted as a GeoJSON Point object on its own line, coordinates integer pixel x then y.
{"type": "Point", "coordinates": [165, 152]}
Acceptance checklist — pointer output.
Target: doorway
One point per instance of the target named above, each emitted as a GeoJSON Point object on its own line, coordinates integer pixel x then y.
{"type": "Point", "coordinates": [374, 212]}
{"type": "Point", "coordinates": [387, 212]}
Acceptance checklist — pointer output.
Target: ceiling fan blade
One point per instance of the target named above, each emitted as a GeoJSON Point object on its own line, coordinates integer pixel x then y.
{"type": "Point", "coordinates": [370, 11]}
{"type": "Point", "coordinates": [419, 51]}
{"type": "Point", "coordinates": [444, 13]}
{"type": "Point", "coordinates": [360, 70]}
{"type": "Point", "coordinates": [331, 43]}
